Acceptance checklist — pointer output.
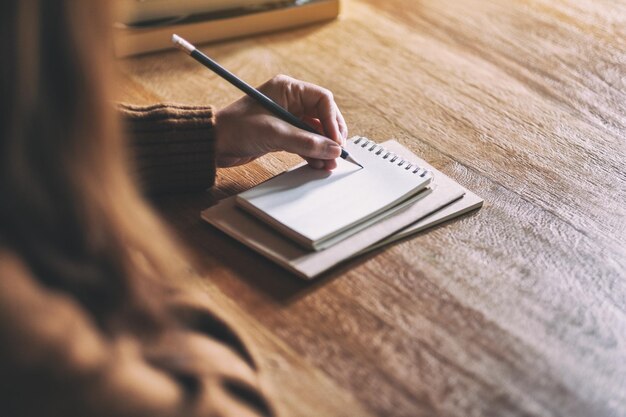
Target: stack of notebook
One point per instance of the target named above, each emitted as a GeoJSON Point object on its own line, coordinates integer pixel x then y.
{"type": "Point", "coordinates": [309, 220]}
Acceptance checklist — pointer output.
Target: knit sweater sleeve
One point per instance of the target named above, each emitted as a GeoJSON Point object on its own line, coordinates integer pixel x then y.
{"type": "Point", "coordinates": [173, 146]}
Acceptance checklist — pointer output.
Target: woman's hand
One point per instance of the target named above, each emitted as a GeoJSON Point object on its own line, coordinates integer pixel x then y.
{"type": "Point", "coordinates": [245, 131]}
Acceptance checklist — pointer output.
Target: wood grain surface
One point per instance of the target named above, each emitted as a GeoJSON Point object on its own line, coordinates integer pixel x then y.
{"type": "Point", "coordinates": [516, 310]}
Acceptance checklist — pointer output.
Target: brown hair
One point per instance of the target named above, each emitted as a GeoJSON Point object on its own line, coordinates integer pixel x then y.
{"type": "Point", "coordinates": [68, 205]}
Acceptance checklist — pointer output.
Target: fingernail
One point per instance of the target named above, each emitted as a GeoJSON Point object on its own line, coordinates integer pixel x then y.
{"type": "Point", "coordinates": [333, 150]}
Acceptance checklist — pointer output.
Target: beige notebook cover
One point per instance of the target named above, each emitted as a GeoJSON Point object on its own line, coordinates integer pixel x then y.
{"type": "Point", "coordinates": [317, 208]}
{"type": "Point", "coordinates": [308, 264]}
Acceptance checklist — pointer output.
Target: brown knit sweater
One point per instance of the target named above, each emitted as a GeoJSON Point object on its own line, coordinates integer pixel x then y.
{"type": "Point", "coordinates": [55, 360]}
{"type": "Point", "coordinates": [173, 146]}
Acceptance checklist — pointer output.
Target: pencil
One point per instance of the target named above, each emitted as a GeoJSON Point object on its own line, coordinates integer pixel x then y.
{"type": "Point", "coordinates": [260, 98]}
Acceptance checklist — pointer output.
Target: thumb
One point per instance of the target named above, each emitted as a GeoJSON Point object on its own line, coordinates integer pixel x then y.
{"type": "Point", "coordinates": [308, 145]}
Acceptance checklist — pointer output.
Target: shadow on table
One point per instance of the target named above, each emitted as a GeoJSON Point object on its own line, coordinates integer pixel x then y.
{"type": "Point", "coordinates": [258, 272]}
{"type": "Point", "coordinates": [268, 278]}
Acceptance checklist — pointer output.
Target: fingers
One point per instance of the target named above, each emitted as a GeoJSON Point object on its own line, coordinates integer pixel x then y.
{"type": "Point", "coordinates": [309, 100]}
{"type": "Point", "coordinates": [343, 127]}
{"type": "Point", "coordinates": [316, 163]}
{"type": "Point", "coordinates": [314, 123]}
{"type": "Point", "coordinates": [325, 164]}
{"type": "Point", "coordinates": [308, 145]}
{"type": "Point", "coordinates": [330, 164]}
{"type": "Point", "coordinates": [316, 106]}
{"type": "Point", "coordinates": [327, 112]}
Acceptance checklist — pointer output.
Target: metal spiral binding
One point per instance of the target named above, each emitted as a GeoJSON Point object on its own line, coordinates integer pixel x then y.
{"type": "Point", "coordinates": [372, 146]}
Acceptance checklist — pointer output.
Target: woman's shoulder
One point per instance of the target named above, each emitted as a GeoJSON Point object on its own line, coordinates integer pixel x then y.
{"type": "Point", "coordinates": [11, 263]}
{"type": "Point", "coordinates": [41, 324]}
{"type": "Point", "coordinates": [17, 281]}
{"type": "Point", "coordinates": [47, 332]}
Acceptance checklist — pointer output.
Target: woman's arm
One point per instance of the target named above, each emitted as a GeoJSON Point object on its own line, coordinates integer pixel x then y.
{"type": "Point", "coordinates": [178, 148]}
{"type": "Point", "coordinates": [173, 146]}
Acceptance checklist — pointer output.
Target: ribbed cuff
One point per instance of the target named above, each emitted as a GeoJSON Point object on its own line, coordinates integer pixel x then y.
{"type": "Point", "coordinates": [173, 146]}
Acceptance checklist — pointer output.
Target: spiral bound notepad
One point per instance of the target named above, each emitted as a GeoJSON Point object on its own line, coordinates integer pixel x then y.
{"type": "Point", "coordinates": [317, 209]}
{"type": "Point", "coordinates": [442, 200]}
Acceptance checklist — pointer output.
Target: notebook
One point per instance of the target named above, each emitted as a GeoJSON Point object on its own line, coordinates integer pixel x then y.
{"type": "Point", "coordinates": [467, 203]}
{"type": "Point", "coordinates": [317, 208]}
{"type": "Point", "coordinates": [442, 200]}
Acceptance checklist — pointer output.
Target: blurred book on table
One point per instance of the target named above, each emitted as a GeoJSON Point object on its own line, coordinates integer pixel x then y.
{"type": "Point", "coordinates": [147, 25]}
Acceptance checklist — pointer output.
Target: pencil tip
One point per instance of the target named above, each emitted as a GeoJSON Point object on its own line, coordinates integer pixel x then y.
{"type": "Point", "coordinates": [349, 158]}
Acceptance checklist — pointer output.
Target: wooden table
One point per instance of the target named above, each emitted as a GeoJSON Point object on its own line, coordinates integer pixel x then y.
{"type": "Point", "coordinates": [515, 310]}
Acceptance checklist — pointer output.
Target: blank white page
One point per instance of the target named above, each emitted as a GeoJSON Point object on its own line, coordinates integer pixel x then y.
{"type": "Point", "coordinates": [316, 204]}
